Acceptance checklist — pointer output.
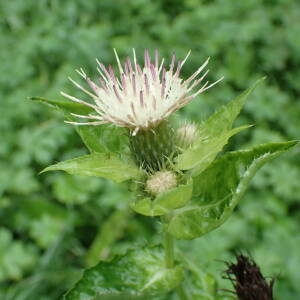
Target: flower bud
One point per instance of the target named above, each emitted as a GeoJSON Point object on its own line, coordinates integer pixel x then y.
{"type": "Point", "coordinates": [161, 181]}
{"type": "Point", "coordinates": [186, 135]}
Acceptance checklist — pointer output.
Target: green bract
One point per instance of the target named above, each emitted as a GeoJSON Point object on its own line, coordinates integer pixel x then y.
{"type": "Point", "coordinates": [139, 273]}
{"type": "Point", "coordinates": [165, 202]}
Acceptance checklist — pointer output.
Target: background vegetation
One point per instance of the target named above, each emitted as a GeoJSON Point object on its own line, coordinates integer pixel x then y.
{"type": "Point", "coordinates": [52, 225]}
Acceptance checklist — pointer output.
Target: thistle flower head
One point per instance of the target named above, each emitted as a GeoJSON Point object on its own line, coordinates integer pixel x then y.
{"type": "Point", "coordinates": [161, 181]}
{"type": "Point", "coordinates": [139, 97]}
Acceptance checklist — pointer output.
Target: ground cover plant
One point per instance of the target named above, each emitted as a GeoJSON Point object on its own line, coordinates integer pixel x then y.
{"type": "Point", "coordinates": [53, 225]}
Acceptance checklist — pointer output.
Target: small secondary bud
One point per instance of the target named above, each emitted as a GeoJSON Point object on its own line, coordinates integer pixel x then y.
{"type": "Point", "coordinates": [161, 181]}
{"type": "Point", "coordinates": [186, 135]}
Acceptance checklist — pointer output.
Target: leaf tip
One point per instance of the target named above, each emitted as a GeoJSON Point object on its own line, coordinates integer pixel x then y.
{"type": "Point", "coordinates": [263, 78]}
{"type": "Point", "coordinates": [45, 170]}
{"type": "Point", "coordinates": [293, 143]}
{"type": "Point", "coordinates": [34, 98]}
{"type": "Point", "coordinates": [258, 81]}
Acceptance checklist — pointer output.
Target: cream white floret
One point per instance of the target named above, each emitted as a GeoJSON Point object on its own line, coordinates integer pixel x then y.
{"type": "Point", "coordinates": [139, 98]}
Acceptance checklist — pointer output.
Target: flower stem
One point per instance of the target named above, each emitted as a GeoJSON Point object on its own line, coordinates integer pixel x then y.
{"type": "Point", "coordinates": [181, 293]}
{"type": "Point", "coordinates": [169, 250]}
{"type": "Point", "coordinates": [169, 261]}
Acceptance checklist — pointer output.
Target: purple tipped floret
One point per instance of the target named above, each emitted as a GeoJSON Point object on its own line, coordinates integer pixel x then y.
{"type": "Point", "coordinates": [92, 85]}
{"type": "Point", "coordinates": [172, 63]}
{"type": "Point", "coordinates": [129, 65]}
{"type": "Point", "coordinates": [146, 84]}
{"type": "Point", "coordinates": [123, 83]}
{"type": "Point", "coordinates": [141, 99]}
{"type": "Point", "coordinates": [179, 65]}
{"type": "Point", "coordinates": [156, 58]}
{"type": "Point", "coordinates": [153, 72]}
{"type": "Point", "coordinates": [103, 68]}
{"type": "Point", "coordinates": [112, 74]}
{"type": "Point", "coordinates": [117, 94]}
{"type": "Point", "coordinates": [163, 82]}
{"type": "Point", "coordinates": [133, 84]}
{"type": "Point", "coordinates": [139, 69]}
{"type": "Point", "coordinates": [147, 58]}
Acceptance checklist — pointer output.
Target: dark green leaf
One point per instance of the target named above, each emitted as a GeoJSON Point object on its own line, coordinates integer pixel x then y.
{"type": "Point", "coordinates": [219, 188]}
{"type": "Point", "coordinates": [106, 165]}
{"type": "Point", "coordinates": [138, 273]}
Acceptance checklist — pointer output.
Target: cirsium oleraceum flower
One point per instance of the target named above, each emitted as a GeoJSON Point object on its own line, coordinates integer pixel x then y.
{"type": "Point", "coordinates": [139, 98]}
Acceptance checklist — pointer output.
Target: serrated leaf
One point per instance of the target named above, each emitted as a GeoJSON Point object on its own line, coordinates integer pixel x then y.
{"type": "Point", "coordinates": [139, 273]}
{"type": "Point", "coordinates": [164, 202]}
{"type": "Point", "coordinates": [200, 156]}
{"type": "Point", "coordinates": [96, 138]}
{"type": "Point", "coordinates": [219, 188]}
{"type": "Point", "coordinates": [106, 165]}
{"type": "Point", "coordinates": [214, 134]}
{"type": "Point", "coordinates": [222, 120]}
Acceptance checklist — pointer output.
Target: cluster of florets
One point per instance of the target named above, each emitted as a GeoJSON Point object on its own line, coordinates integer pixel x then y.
{"type": "Point", "coordinates": [160, 182]}
{"type": "Point", "coordinates": [139, 97]}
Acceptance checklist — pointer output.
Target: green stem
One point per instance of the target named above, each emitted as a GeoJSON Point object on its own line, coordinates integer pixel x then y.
{"type": "Point", "coordinates": [169, 262]}
{"type": "Point", "coordinates": [169, 250]}
{"type": "Point", "coordinates": [181, 293]}
{"type": "Point", "coordinates": [169, 259]}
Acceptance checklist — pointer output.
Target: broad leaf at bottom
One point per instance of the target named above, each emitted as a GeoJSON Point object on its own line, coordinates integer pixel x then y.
{"type": "Point", "coordinates": [139, 273]}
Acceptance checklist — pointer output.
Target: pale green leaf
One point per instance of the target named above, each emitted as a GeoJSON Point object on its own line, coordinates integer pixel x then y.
{"type": "Point", "coordinates": [106, 165]}
{"type": "Point", "coordinates": [222, 120]}
{"type": "Point", "coordinates": [165, 202]}
{"type": "Point", "coordinates": [214, 134]}
{"type": "Point", "coordinates": [66, 106]}
{"type": "Point", "coordinates": [200, 156]}
{"type": "Point", "coordinates": [136, 274]}
{"type": "Point", "coordinates": [219, 188]}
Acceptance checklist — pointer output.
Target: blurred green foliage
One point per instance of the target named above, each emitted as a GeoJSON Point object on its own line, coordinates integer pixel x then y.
{"type": "Point", "coordinates": [53, 224]}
